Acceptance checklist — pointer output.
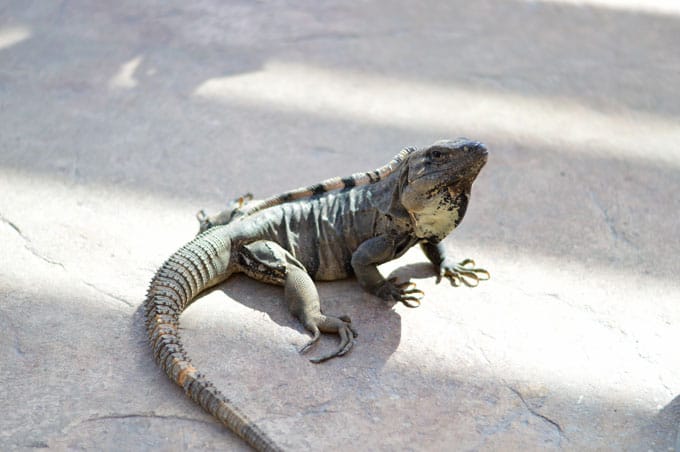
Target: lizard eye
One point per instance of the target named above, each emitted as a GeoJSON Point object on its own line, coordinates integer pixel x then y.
{"type": "Point", "coordinates": [436, 154]}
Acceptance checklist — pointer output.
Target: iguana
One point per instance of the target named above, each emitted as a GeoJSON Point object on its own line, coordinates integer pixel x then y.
{"type": "Point", "coordinates": [327, 231]}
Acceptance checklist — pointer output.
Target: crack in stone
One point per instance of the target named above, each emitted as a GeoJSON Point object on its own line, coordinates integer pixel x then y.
{"type": "Point", "coordinates": [108, 294]}
{"type": "Point", "coordinates": [12, 225]}
{"type": "Point", "coordinates": [319, 408]}
{"type": "Point", "coordinates": [16, 345]}
{"type": "Point", "coordinates": [343, 36]}
{"type": "Point", "coordinates": [28, 244]}
{"type": "Point", "coordinates": [150, 415]}
{"type": "Point", "coordinates": [10, 329]}
{"type": "Point", "coordinates": [484, 355]}
{"type": "Point", "coordinates": [336, 36]}
{"type": "Point", "coordinates": [537, 414]}
{"type": "Point", "coordinates": [40, 256]}
{"type": "Point", "coordinates": [609, 221]}
{"type": "Point", "coordinates": [670, 391]}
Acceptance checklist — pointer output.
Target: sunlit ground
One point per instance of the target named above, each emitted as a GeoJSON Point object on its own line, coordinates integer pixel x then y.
{"type": "Point", "coordinates": [13, 35]}
{"type": "Point", "coordinates": [655, 6]}
{"type": "Point", "coordinates": [385, 100]}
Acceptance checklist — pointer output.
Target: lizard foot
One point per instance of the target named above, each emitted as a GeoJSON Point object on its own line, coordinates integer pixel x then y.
{"type": "Point", "coordinates": [406, 292]}
{"type": "Point", "coordinates": [234, 206]}
{"type": "Point", "coordinates": [342, 326]}
{"type": "Point", "coordinates": [203, 221]}
{"type": "Point", "coordinates": [464, 272]}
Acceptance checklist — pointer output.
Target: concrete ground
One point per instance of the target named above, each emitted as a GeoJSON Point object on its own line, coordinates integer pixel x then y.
{"type": "Point", "coordinates": [119, 120]}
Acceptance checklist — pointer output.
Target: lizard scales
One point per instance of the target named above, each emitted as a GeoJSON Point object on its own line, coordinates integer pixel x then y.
{"type": "Point", "coordinates": [330, 230]}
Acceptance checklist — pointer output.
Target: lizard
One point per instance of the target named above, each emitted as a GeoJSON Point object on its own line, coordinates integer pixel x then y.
{"type": "Point", "coordinates": [327, 231]}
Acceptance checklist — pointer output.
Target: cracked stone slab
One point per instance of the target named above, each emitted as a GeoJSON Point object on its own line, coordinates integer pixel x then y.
{"type": "Point", "coordinates": [119, 121]}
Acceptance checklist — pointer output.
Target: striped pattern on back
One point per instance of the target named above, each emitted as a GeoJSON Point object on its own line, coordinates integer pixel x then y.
{"type": "Point", "coordinates": [335, 183]}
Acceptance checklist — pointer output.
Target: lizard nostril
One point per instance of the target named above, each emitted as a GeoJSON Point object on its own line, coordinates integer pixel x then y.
{"type": "Point", "coordinates": [480, 147]}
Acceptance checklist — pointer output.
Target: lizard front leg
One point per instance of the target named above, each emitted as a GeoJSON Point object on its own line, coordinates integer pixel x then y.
{"type": "Point", "coordinates": [365, 261]}
{"type": "Point", "coordinates": [464, 271]}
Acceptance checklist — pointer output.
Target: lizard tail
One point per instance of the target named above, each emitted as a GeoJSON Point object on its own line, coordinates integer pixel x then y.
{"type": "Point", "coordinates": [199, 264]}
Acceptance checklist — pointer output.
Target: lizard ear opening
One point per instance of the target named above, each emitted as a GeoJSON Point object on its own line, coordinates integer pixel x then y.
{"type": "Point", "coordinates": [391, 189]}
{"type": "Point", "coordinates": [397, 205]}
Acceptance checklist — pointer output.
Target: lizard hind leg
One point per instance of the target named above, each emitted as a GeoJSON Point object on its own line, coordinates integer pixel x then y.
{"type": "Point", "coordinates": [268, 262]}
{"type": "Point", "coordinates": [303, 302]}
{"type": "Point", "coordinates": [234, 207]}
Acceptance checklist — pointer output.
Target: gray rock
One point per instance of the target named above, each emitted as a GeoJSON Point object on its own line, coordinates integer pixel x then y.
{"type": "Point", "coordinates": [119, 120]}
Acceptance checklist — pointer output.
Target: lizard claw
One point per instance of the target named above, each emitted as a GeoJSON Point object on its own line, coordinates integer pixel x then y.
{"type": "Point", "coordinates": [203, 221]}
{"type": "Point", "coordinates": [342, 326]}
{"type": "Point", "coordinates": [312, 341]}
{"type": "Point", "coordinates": [405, 292]}
{"type": "Point", "coordinates": [463, 272]}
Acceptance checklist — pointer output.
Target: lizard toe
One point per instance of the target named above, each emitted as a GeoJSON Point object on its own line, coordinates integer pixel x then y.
{"type": "Point", "coordinates": [312, 341]}
{"type": "Point", "coordinates": [464, 272]}
{"type": "Point", "coordinates": [346, 343]}
{"type": "Point", "coordinates": [344, 330]}
{"type": "Point", "coordinates": [405, 292]}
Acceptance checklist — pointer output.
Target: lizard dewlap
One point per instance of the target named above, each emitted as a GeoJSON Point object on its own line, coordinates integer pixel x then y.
{"type": "Point", "coordinates": [330, 230]}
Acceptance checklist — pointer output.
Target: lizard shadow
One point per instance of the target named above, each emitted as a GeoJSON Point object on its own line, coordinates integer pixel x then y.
{"type": "Point", "coordinates": [377, 323]}
{"type": "Point", "coordinates": [668, 419]}
{"type": "Point", "coordinates": [418, 270]}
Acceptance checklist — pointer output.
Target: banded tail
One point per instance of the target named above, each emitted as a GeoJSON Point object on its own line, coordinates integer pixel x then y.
{"type": "Point", "coordinates": [335, 183]}
{"type": "Point", "coordinates": [199, 264]}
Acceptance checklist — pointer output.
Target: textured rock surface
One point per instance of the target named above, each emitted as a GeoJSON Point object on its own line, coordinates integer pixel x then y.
{"type": "Point", "coordinates": [118, 121]}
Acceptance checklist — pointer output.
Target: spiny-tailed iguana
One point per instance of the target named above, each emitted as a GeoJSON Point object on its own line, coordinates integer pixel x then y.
{"type": "Point", "coordinates": [327, 231]}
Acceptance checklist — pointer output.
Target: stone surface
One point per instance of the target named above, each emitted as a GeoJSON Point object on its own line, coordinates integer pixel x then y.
{"type": "Point", "coordinates": [119, 120]}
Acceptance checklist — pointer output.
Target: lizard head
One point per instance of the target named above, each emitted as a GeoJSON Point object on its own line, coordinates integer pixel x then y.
{"type": "Point", "coordinates": [436, 188]}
